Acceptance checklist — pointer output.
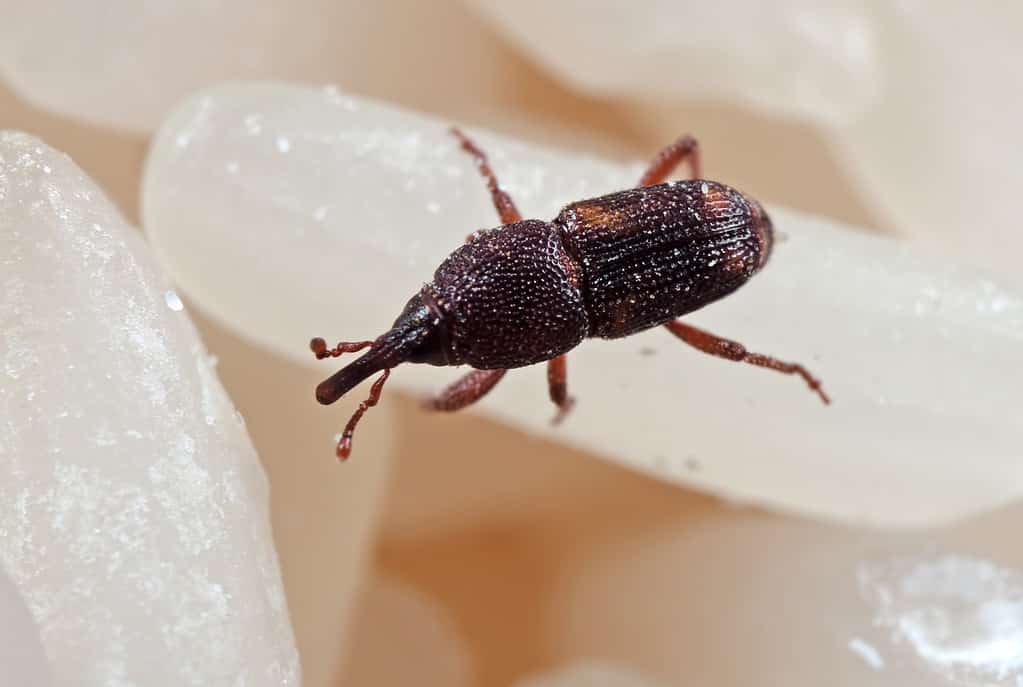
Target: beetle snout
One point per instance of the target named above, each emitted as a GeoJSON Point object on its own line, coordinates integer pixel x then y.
{"type": "Point", "coordinates": [763, 229]}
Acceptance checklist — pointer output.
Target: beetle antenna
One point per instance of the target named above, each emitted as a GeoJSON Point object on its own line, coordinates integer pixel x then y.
{"type": "Point", "coordinates": [344, 444]}
{"type": "Point", "coordinates": [319, 348]}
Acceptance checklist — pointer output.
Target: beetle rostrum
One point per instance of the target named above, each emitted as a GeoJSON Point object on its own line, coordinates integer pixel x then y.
{"type": "Point", "coordinates": [530, 291]}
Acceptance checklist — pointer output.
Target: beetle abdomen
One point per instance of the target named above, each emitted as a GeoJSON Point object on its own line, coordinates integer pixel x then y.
{"type": "Point", "coordinates": [652, 254]}
{"type": "Point", "coordinates": [511, 297]}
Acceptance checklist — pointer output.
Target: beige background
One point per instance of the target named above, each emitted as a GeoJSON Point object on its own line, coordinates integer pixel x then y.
{"type": "Point", "coordinates": [485, 529]}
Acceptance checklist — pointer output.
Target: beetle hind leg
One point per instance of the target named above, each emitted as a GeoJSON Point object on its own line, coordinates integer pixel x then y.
{"type": "Point", "coordinates": [735, 351]}
{"type": "Point", "coordinates": [685, 149]}
{"type": "Point", "coordinates": [503, 203]}
{"type": "Point", "coordinates": [557, 385]}
{"type": "Point", "coordinates": [465, 391]}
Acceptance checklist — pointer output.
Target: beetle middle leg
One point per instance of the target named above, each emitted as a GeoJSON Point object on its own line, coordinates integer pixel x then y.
{"type": "Point", "coordinates": [733, 350]}
{"type": "Point", "coordinates": [466, 390]}
{"type": "Point", "coordinates": [684, 149]}
{"type": "Point", "coordinates": [558, 387]}
{"type": "Point", "coordinates": [503, 203]}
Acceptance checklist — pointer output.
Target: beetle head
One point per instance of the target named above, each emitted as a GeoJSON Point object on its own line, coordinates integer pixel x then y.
{"type": "Point", "coordinates": [417, 336]}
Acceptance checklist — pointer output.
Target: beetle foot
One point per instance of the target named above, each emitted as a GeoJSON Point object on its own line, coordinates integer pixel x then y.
{"type": "Point", "coordinates": [563, 410]}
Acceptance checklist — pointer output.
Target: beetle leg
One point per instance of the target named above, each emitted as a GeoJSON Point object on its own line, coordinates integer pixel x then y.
{"type": "Point", "coordinates": [502, 201]}
{"type": "Point", "coordinates": [344, 445]}
{"type": "Point", "coordinates": [733, 350]}
{"type": "Point", "coordinates": [465, 391]}
{"type": "Point", "coordinates": [684, 149]}
{"type": "Point", "coordinates": [558, 387]}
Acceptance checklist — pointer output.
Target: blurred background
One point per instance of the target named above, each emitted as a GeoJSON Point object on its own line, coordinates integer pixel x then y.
{"type": "Point", "coordinates": [500, 557]}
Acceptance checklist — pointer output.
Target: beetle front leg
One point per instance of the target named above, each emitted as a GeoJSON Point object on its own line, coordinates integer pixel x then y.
{"type": "Point", "coordinates": [557, 385]}
{"type": "Point", "coordinates": [466, 390]}
{"type": "Point", "coordinates": [506, 209]}
{"type": "Point", "coordinates": [733, 350]}
{"type": "Point", "coordinates": [685, 148]}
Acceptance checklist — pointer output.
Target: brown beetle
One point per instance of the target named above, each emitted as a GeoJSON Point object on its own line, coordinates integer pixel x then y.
{"type": "Point", "coordinates": [529, 291]}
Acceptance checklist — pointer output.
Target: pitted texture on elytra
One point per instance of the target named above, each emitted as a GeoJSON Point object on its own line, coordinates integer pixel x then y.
{"type": "Point", "coordinates": [652, 254]}
{"type": "Point", "coordinates": [511, 297]}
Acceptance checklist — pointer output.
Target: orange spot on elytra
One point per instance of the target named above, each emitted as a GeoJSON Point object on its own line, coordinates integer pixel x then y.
{"type": "Point", "coordinates": [596, 214]}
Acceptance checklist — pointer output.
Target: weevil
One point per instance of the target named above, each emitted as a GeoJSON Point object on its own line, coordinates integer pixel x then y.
{"type": "Point", "coordinates": [529, 291]}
